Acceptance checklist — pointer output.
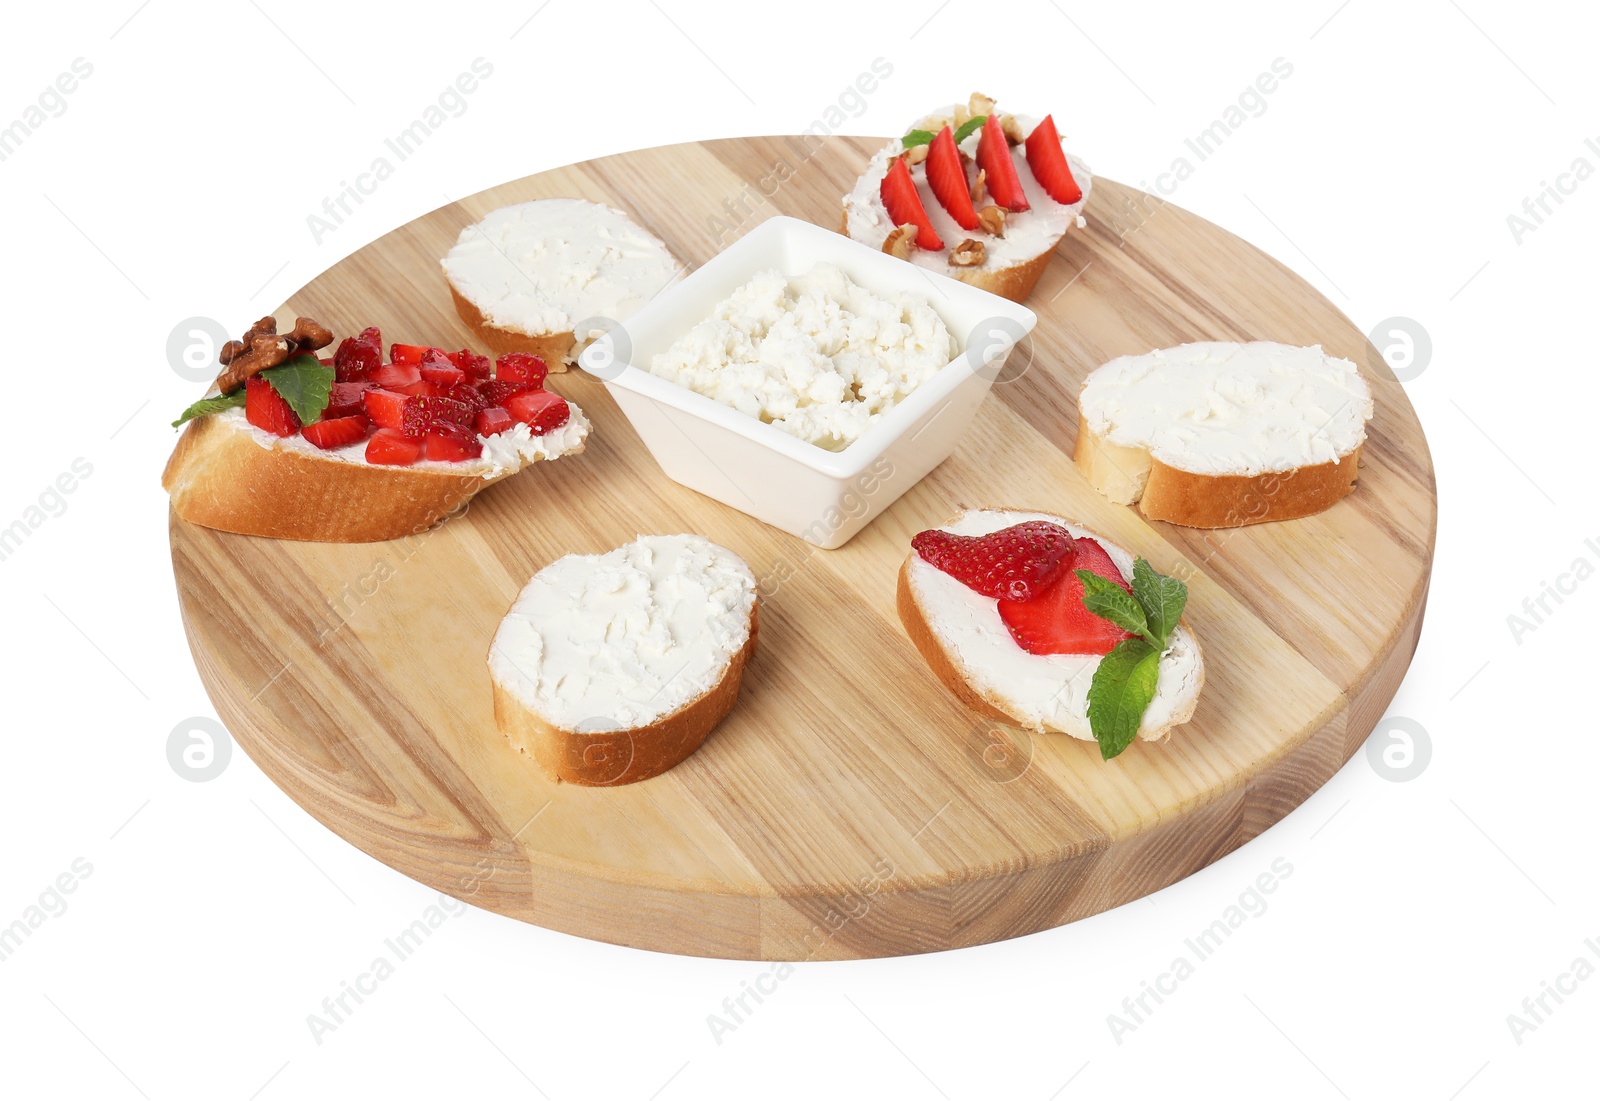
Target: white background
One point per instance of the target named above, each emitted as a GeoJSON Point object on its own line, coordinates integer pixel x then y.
{"type": "Point", "coordinates": [218, 915]}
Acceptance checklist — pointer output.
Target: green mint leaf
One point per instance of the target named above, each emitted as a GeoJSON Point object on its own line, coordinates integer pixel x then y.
{"type": "Point", "coordinates": [969, 126]}
{"type": "Point", "coordinates": [1123, 686]}
{"type": "Point", "coordinates": [216, 403]}
{"type": "Point", "coordinates": [1162, 599]}
{"type": "Point", "coordinates": [1108, 600]}
{"type": "Point", "coordinates": [304, 383]}
{"type": "Point", "coordinates": [917, 137]}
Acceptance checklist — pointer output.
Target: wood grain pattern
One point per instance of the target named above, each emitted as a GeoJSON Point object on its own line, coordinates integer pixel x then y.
{"type": "Point", "coordinates": [848, 807]}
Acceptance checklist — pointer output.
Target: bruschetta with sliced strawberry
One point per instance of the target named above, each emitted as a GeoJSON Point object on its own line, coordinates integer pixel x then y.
{"type": "Point", "coordinates": [359, 446]}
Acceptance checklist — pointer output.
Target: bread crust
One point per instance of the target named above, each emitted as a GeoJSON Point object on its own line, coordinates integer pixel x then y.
{"type": "Point", "coordinates": [554, 348]}
{"type": "Point", "coordinates": [1233, 500]}
{"type": "Point", "coordinates": [931, 647]}
{"type": "Point", "coordinates": [219, 477]}
{"type": "Point", "coordinates": [616, 757]}
{"type": "Point", "coordinates": [1015, 282]}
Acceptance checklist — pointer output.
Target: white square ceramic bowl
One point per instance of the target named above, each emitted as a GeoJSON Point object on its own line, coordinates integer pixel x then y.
{"type": "Point", "coordinates": [825, 497]}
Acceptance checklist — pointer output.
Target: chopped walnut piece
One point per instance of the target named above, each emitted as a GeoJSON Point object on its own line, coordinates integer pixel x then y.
{"type": "Point", "coordinates": [979, 104]}
{"type": "Point", "coordinates": [968, 254]}
{"type": "Point", "coordinates": [993, 220]}
{"type": "Point", "coordinates": [962, 115]}
{"type": "Point", "coordinates": [916, 154]}
{"type": "Point", "coordinates": [262, 347]}
{"type": "Point", "coordinates": [980, 189]}
{"type": "Point", "coordinates": [1012, 129]}
{"type": "Point", "coordinates": [898, 243]}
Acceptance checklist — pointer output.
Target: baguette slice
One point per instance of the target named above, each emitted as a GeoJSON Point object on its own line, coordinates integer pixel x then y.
{"type": "Point", "coordinates": [526, 275]}
{"type": "Point", "coordinates": [227, 475]}
{"type": "Point", "coordinates": [961, 636]}
{"type": "Point", "coordinates": [1014, 261]}
{"type": "Point", "coordinates": [613, 668]}
{"type": "Point", "coordinates": [1221, 435]}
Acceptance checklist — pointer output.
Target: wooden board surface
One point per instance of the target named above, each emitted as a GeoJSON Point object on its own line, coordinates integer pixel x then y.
{"type": "Point", "coordinates": [848, 807]}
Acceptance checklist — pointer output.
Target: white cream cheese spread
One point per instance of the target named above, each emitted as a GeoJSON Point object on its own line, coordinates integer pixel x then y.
{"type": "Point", "coordinates": [816, 355]}
{"type": "Point", "coordinates": [618, 640]}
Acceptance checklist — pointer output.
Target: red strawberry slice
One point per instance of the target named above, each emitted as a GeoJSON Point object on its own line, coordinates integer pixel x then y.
{"type": "Point", "coordinates": [338, 432]}
{"type": "Point", "coordinates": [442, 374]}
{"type": "Point", "coordinates": [422, 414]}
{"type": "Point", "coordinates": [492, 421]}
{"type": "Point", "coordinates": [1049, 163]}
{"type": "Point", "coordinates": [899, 194]}
{"type": "Point", "coordinates": [391, 447]}
{"type": "Point", "coordinates": [411, 353]}
{"type": "Point", "coordinates": [356, 358]}
{"type": "Point", "coordinates": [540, 410]}
{"type": "Point", "coordinates": [265, 409]}
{"type": "Point", "coordinates": [344, 400]}
{"type": "Point", "coordinates": [385, 408]}
{"type": "Point", "coordinates": [476, 366]}
{"type": "Point", "coordinates": [1015, 563]}
{"type": "Point", "coordinates": [496, 391]}
{"type": "Point", "coordinates": [521, 367]}
{"type": "Point", "coordinates": [1055, 621]}
{"type": "Point", "coordinates": [948, 179]}
{"type": "Point", "coordinates": [392, 376]}
{"type": "Point", "coordinates": [999, 170]}
{"type": "Point", "coordinates": [469, 396]}
{"type": "Point", "coordinates": [450, 443]}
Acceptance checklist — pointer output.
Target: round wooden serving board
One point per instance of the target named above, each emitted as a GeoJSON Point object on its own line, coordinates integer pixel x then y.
{"type": "Point", "coordinates": [849, 806]}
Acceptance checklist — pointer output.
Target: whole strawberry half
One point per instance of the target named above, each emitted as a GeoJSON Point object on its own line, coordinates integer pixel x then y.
{"type": "Point", "coordinates": [1015, 563]}
{"type": "Point", "coordinates": [266, 409]}
{"type": "Point", "coordinates": [1055, 621]}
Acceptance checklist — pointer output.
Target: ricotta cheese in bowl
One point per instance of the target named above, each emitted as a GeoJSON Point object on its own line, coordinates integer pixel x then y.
{"type": "Point", "coordinates": [816, 355]}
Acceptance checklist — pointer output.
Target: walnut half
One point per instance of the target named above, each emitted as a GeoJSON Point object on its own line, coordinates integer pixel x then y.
{"type": "Point", "coordinates": [898, 243]}
{"type": "Point", "coordinates": [968, 254]}
{"type": "Point", "coordinates": [993, 219]}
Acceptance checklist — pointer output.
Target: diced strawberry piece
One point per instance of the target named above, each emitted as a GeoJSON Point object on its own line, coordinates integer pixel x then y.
{"type": "Point", "coordinates": [385, 408]}
{"type": "Point", "coordinates": [496, 391]}
{"type": "Point", "coordinates": [948, 179]}
{"type": "Point", "coordinates": [443, 375]}
{"type": "Point", "coordinates": [540, 410]}
{"type": "Point", "coordinates": [421, 414]}
{"type": "Point", "coordinates": [337, 432]}
{"type": "Point", "coordinates": [392, 376]}
{"type": "Point", "coordinates": [1049, 163]}
{"type": "Point", "coordinates": [469, 396]}
{"type": "Point", "coordinates": [1055, 621]}
{"type": "Point", "coordinates": [451, 443]}
{"type": "Point", "coordinates": [264, 408]}
{"type": "Point", "coordinates": [410, 353]}
{"type": "Point", "coordinates": [391, 447]}
{"type": "Point", "coordinates": [422, 388]}
{"type": "Point", "coordinates": [476, 366]}
{"type": "Point", "coordinates": [999, 170]}
{"type": "Point", "coordinates": [345, 400]}
{"type": "Point", "coordinates": [1015, 563]}
{"type": "Point", "coordinates": [899, 194]}
{"type": "Point", "coordinates": [521, 367]}
{"type": "Point", "coordinates": [357, 358]}
{"type": "Point", "coordinates": [492, 421]}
